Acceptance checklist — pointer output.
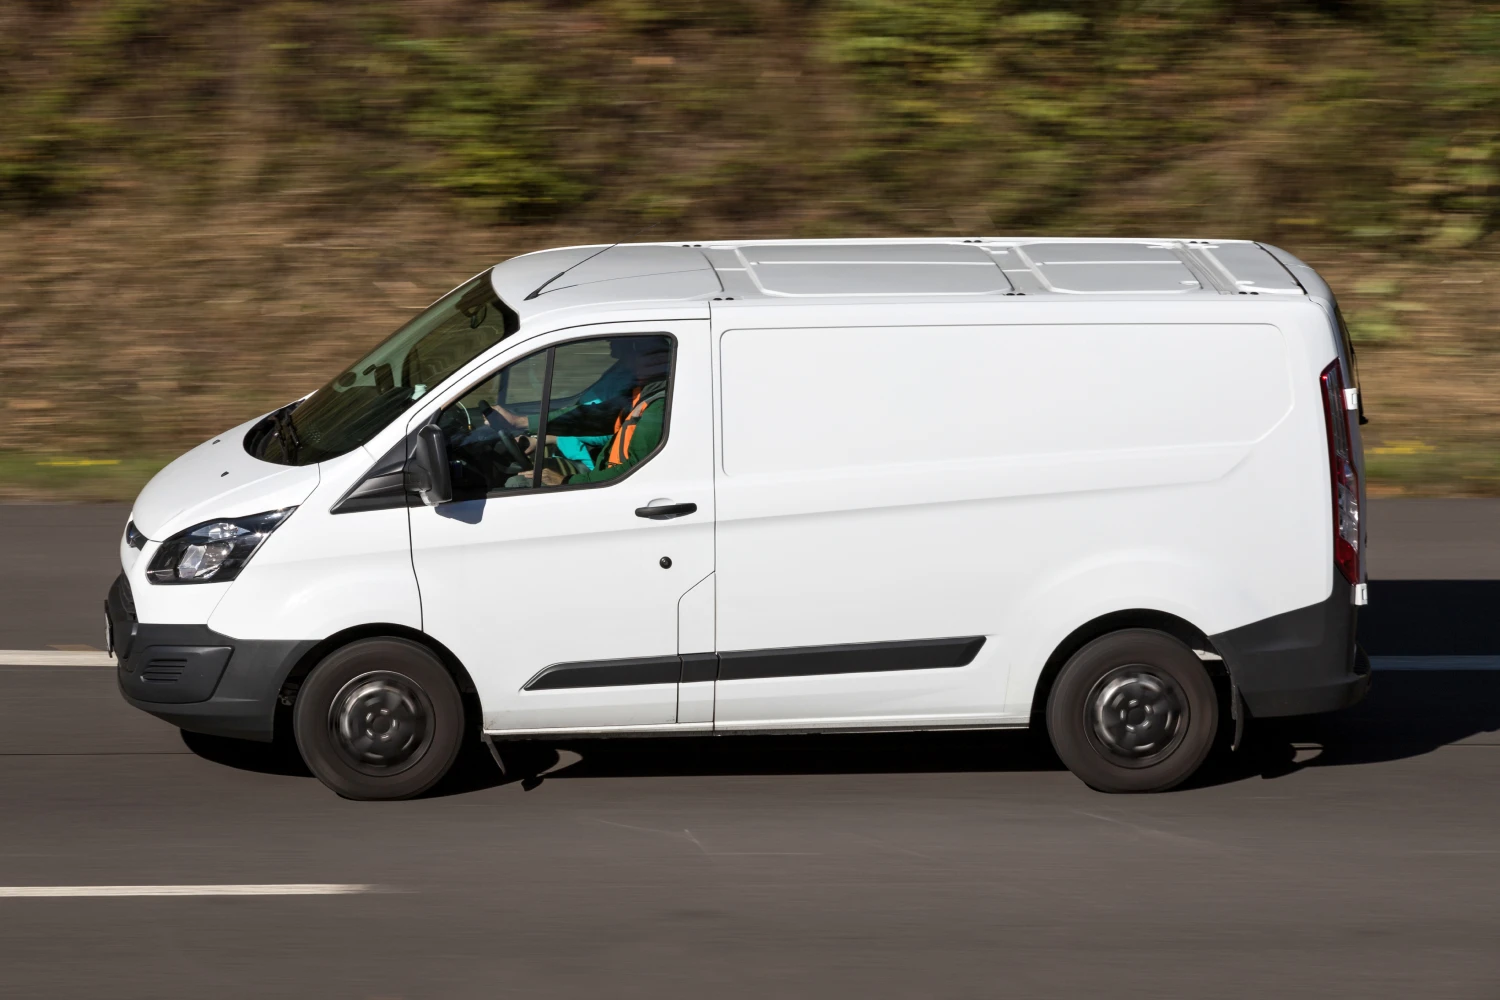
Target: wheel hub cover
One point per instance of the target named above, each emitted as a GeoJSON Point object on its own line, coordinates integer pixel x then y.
{"type": "Point", "coordinates": [381, 722]}
{"type": "Point", "coordinates": [1137, 716]}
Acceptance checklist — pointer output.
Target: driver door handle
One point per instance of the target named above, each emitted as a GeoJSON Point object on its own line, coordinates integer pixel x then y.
{"type": "Point", "coordinates": [666, 511]}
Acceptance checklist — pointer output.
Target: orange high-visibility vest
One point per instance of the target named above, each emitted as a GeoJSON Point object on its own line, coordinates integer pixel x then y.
{"type": "Point", "coordinates": [625, 424]}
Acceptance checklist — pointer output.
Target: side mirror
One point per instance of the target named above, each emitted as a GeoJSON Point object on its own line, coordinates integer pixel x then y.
{"type": "Point", "coordinates": [427, 470]}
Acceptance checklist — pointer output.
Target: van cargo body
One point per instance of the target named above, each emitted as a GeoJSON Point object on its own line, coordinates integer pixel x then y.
{"type": "Point", "coordinates": [1112, 487]}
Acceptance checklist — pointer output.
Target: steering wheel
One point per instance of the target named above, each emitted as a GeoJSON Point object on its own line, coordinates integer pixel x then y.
{"type": "Point", "coordinates": [507, 439]}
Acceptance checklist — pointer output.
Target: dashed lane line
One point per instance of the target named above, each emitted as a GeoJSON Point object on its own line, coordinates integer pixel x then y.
{"type": "Point", "coordinates": [54, 658]}
{"type": "Point", "coordinates": [293, 889]}
{"type": "Point", "coordinates": [1435, 662]}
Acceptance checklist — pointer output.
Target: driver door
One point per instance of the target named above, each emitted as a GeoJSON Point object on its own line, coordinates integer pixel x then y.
{"type": "Point", "coordinates": [561, 598]}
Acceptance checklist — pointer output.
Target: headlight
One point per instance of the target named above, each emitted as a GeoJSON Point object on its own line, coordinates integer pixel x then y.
{"type": "Point", "coordinates": [214, 551]}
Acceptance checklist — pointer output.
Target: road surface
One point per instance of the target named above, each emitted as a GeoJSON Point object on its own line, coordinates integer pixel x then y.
{"type": "Point", "coordinates": [1356, 855]}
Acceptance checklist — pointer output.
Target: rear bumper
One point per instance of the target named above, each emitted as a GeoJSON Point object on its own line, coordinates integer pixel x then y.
{"type": "Point", "coordinates": [198, 679]}
{"type": "Point", "coordinates": [1298, 663]}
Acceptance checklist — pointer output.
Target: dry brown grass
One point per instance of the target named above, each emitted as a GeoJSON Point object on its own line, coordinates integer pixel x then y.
{"type": "Point", "coordinates": [131, 334]}
{"type": "Point", "coordinates": [206, 208]}
{"type": "Point", "coordinates": [1430, 375]}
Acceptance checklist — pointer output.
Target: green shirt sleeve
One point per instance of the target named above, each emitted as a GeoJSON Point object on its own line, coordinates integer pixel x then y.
{"type": "Point", "coordinates": [648, 432]}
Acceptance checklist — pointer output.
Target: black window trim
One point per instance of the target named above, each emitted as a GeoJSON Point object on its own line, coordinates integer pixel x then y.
{"type": "Point", "coordinates": [536, 487]}
{"type": "Point", "coordinates": [383, 486]}
{"type": "Point", "coordinates": [539, 450]}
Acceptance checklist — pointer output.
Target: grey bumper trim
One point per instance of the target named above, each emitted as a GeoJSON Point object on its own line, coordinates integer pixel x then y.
{"type": "Point", "coordinates": [1301, 662]}
{"type": "Point", "coordinates": [224, 687]}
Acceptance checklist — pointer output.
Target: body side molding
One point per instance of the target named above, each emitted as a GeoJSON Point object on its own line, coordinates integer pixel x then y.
{"type": "Point", "coordinates": [793, 661]}
{"type": "Point", "coordinates": [850, 658]}
{"type": "Point", "coordinates": [607, 673]}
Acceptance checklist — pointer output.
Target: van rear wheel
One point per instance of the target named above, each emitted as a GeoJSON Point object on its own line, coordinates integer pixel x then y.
{"type": "Point", "coordinates": [1133, 711]}
{"type": "Point", "coordinates": [379, 719]}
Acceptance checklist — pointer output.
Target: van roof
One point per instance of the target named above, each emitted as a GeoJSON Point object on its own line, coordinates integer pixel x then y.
{"type": "Point", "coordinates": [937, 269]}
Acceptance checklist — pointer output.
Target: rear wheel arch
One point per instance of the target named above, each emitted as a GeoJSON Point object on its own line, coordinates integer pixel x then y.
{"type": "Point", "coordinates": [1116, 621]}
{"type": "Point", "coordinates": [1134, 711]}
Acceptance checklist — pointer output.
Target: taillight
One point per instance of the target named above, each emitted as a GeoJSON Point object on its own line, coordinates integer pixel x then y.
{"type": "Point", "coordinates": [1345, 475]}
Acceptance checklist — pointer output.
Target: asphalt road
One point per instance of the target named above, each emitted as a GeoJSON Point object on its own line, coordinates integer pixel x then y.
{"type": "Point", "coordinates": [1352, 855]}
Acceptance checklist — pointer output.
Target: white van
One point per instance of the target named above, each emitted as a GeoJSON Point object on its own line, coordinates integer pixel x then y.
{"type": "Point", "coordinates": [1112, 487]}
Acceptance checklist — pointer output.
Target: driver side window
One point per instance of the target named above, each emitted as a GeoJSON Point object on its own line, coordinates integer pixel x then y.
{"type": "Point", "coordinates": [486, 429]}
{"type": "Point", "coordinates": [581, 413]}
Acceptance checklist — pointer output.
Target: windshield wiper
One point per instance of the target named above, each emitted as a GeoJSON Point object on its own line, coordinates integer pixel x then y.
{"type": "Point", "coordinates": [291, 445]}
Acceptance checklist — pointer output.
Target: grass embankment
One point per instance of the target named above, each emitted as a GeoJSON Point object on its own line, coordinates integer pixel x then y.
{"type": "Point", "coordinates": [206, 207]}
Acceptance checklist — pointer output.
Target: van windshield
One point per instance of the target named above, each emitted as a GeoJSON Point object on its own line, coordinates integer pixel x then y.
{"type": "Point", "coordinates": [382, 385]}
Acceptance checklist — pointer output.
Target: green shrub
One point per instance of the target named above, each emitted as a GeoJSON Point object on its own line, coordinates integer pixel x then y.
{"type": "Point", "coordinates": [1370, 121]}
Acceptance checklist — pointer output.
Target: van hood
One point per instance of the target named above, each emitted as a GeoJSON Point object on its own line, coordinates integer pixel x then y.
{"type": "Point", "coordinates": [218, 479]}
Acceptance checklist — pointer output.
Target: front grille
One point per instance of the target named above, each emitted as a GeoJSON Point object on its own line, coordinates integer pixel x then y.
{"type": "Point", "coordinates": [133, 536]}
{"type": "Point", "coordinates": [127, 599]}
{"type": "Point", "coordinates": [164, 670]}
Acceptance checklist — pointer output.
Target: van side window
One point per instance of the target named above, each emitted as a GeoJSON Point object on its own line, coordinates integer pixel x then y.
{"type": "Point", "coordinates": [577, 414]}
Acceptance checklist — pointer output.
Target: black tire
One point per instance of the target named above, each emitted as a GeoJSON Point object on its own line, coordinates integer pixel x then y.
{"type": "Point", "coordinates": [379, 719]}
{"type": "Point", "coordinates": [1133, 711]}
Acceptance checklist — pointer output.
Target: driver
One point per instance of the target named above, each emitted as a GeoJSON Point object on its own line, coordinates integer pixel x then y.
{"type": "Point", "coordinates": [618, 421]}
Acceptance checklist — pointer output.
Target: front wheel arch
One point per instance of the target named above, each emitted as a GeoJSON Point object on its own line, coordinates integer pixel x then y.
{"type": "Point", "coordinates": [380, 718]}
{"type": "Point", "coordinates": [287, 695]}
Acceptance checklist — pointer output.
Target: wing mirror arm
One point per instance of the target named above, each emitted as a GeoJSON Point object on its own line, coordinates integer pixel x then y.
{"type": "Point", "coordinates": [427, 469]}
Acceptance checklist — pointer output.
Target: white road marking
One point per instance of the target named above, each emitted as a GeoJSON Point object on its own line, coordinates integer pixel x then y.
{"type": "Point", "coordinates": [53, 658]}
{"type": "Point", "coordinates": [293, 889]}
{"type": "Point", "coordinates": [1435, 662]}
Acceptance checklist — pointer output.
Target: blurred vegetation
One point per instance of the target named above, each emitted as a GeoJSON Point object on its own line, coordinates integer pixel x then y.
{"type": "Point", "coordinates": [196, 192]}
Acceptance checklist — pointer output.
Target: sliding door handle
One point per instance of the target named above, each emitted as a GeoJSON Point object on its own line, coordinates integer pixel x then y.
{"type": "Point", "coordinates": [666, 511]}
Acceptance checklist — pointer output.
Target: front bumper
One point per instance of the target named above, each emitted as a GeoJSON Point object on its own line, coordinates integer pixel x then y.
{"type": "Point", "coordinates": [198, 679]}
{"type": "Point", "coordinates": [1299, 663]}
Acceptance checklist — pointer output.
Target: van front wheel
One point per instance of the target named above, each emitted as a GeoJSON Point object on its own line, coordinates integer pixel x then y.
{"type": "Point", "coordinates": [379, 719]}
{"type": "Point", "coordinates": [1133, 711]}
